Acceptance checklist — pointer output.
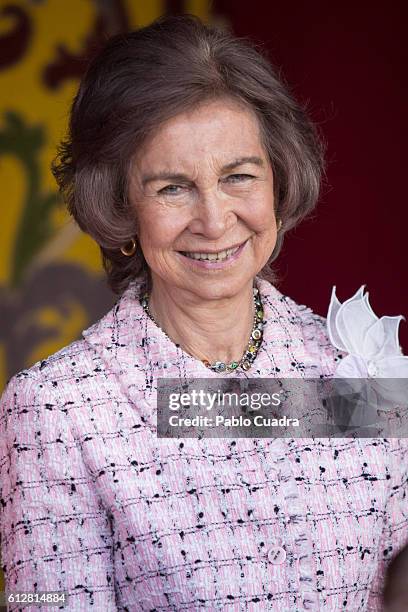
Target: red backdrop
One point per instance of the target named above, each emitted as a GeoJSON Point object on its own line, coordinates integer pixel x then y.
{"type": "Point", "coordinates": [348, 60]}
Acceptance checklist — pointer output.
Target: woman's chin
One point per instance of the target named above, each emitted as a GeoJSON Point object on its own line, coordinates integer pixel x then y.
{"type": "Point", "coordinates": [219, 288]}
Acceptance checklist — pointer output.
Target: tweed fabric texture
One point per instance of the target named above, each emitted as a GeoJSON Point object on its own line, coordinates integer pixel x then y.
{"type": "Point", "coordinates": [93, 503]}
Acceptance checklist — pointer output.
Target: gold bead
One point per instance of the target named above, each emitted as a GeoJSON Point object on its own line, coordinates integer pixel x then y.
{"type": "Point", "coordinates": [256, 334]}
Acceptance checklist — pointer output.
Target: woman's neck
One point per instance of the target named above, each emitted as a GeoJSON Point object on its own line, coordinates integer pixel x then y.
{"type": "Point", "coordinates": [216, 330]}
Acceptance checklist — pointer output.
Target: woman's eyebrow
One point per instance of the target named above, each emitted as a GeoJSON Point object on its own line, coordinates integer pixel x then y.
{"type": "Point", "coordinates": [165, 176]}
{"type": "Point", "coordinates": [258, 161]}
{"type": "Point", "coordinates": [177, 176]}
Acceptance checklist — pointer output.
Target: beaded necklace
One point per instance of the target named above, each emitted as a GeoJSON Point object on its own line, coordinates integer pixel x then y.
{"type": "Point", "coordinates": [251, 349]}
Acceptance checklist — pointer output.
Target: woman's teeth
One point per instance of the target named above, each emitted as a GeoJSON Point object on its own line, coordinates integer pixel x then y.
{"type": "Point", "coordinates": [221, 256]}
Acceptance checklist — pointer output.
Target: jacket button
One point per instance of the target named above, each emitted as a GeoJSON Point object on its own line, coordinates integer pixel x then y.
{"type": "Point", "coordinates": [309, 600]}
{"type": "Point", "coordinates": [276, 555]}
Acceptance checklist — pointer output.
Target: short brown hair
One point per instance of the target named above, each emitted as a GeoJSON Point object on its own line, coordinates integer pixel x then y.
{"type": "Point", "coordinates": [141, 79]}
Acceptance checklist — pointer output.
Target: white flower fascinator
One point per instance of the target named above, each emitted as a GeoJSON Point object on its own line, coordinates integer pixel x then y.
{"type": "Point", "coordinates": [373, 375]}
{"type": "Point", "coordinates": [371, 343]}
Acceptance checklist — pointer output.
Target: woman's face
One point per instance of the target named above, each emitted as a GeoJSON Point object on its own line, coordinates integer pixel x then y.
{"type": "Point", "coordinates": [202, 189]}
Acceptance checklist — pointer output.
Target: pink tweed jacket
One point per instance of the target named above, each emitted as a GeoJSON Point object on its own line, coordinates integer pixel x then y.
{"type": "Point", "coordinates": [94, 504]}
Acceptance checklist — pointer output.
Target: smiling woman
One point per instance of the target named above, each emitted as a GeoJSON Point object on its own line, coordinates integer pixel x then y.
{"type": "Point", "coordinates": [207, 225]}
{"type": "Point", "coordinates": [187, 160]}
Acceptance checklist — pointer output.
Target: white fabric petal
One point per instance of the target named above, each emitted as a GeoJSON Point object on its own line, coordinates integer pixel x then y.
{"type": "Point", "coordinates": [334, 337]}
{"type": "Point", "coordinates": [353, 320]}
{"type": "Point", "coordinates": [393, 367]}
{"type": "Point", "coordinates": [393, 392]}
{"type": "Point", "coordinates": [382, 338]}
{"type": "Point", "coordinates": [374, 339]}
{"type": "Point", "coordinates": [371, 342]}
{"type": "Point", "coordinates": [352, 366]}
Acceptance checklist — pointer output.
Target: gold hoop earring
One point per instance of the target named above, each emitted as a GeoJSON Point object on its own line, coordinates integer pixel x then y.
{"type": "Point", "coordinates": [130, 248]}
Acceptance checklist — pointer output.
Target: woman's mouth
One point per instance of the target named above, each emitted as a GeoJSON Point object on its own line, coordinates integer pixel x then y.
{"type": "Point", "coordinates": [214, 260]}
{"type": "Point", "coordinates": [220, 256]}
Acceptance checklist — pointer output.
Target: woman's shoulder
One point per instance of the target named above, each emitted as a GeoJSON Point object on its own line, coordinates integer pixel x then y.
{"type": "Point", "coordinates": [39, 399]}
{"type": "Point", "coordinates": [304, 326]}
{"type": "Point", "coordinates": [50, 377]}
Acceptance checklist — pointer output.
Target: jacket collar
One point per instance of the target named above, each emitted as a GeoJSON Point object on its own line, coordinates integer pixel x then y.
{"type": "Point", "coordinates": [134, 348]}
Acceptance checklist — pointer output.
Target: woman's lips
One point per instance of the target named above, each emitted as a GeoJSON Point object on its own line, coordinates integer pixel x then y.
{"type": "Point", "coordinates": [214, 265]}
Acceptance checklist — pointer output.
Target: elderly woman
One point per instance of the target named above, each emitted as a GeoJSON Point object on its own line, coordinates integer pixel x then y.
{"type": "Point", "coordinates": [187, 161]}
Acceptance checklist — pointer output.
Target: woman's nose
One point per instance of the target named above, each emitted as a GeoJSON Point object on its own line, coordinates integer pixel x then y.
{"type": "Point", "coordinates": [212, 215]}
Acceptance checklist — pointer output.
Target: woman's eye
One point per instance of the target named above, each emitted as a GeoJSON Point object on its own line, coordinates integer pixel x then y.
{"type": "Point", "coordinates": [239, 178]}
{"type": "Point", "coordinates": [171, 190]}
